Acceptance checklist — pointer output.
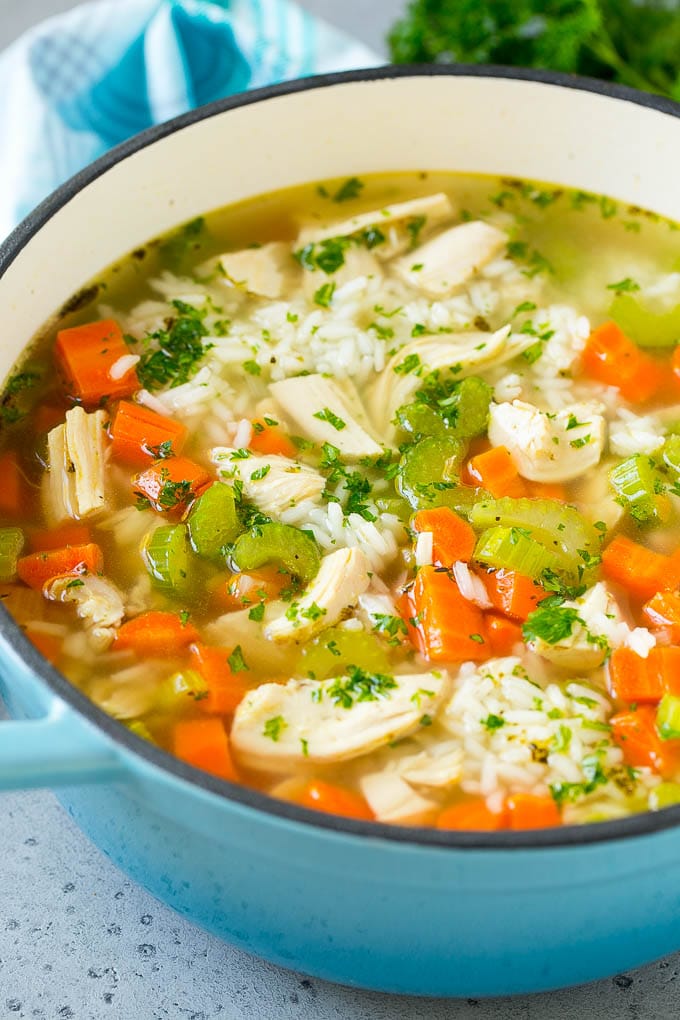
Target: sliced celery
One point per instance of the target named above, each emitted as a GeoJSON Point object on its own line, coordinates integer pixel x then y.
{"type": "Point", "coordinates": [140, 729]}
{"type": "Point", "coordinates": [467, 409]}
{"type": "Point", "coordinates": [335, 649]}
{"type": "Point", "coordinates": [512, 549]}
{"type": "Point", "coordinates": [173, 693]}
{"type": "Point", "coordinates": [295, 550]}
{"type": "Point", "coordinates": [462, 414]}
{"type": "Point", "coordinates": [167, 556]}
{"type": "Point", "coordinates": [429, 471]}
{"type": "Point", "coordinates": [421, 420]}
{"type": "Point", "coordinates": [671, 454]}
{"type": "Point", "coordinates": [213, 522]}
{"type": "Point", "coordinates": [647, 329]}
{"type": "Point", "coordinates": [560, 529]}
{"type": "Point", "coordinates": [11, 544]}
{"type": "Point", "coordinates": [668, 717]}
{"type": "Point", "coordinates": [664, 795]}
{"type": "Point", "coordinates": [635, 482]}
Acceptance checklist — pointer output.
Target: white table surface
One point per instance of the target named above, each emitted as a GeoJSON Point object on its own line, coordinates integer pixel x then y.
{"type": "Point", "coordinates": [78, 941]}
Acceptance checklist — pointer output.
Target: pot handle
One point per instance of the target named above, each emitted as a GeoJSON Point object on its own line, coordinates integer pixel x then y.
{"type": "Point", "coordinates": [59, 749]}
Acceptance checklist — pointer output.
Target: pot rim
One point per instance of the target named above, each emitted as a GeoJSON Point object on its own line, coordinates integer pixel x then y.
{"type": "Point", "coordinates": [11, 635]}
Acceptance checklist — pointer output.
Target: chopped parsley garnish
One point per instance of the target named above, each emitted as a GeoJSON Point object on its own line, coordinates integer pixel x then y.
{"type": "Point", "coordinates": [260, 473]}
{"type": "Point", "coordinates": [75, 583]}
{"type": "Point", "coordinates": [179, 349]}
{"type": "Point", "coordinates": [237, 664]}
{"type": "Point", "coordinates": [360, 686]}
{"type": "Point", "coordinates": [172, 494]}
{"type": "Point", "coordinates": [257, 612]}
{"type": "Point", "coordinates": [313, 612]}
{"type": "Point", "coordinates": [625, 286]}
{"type": "Point", "coordinates": [421, 693]}
{"type": "Point", "coordinates": [274, 727]}
{"type": "Point", "coordinates": [578, 443]}
{"type": "Point", "coordinates": [324, 295]}
{"type": "Point", "coordinates": [551, 624]}
{"type": "Point", "coordinates": [493, 722]}
{"type": "Point", "coordinates": [574, 423]}
{"type": "Point", "coordinates": [414, 228]}
{"type": "Point", "coordinates": [393, 626]}
{"type": "Point", "coordinates": [351, 189]}
{"type": "Point", "coordinates": [252, 367]}
{"type": "Point", "coordinates": [327, 415]}
{"type": "Point", "coordinates": [304, 744]}
{"type": "Point", "coordinates": [411, 364]}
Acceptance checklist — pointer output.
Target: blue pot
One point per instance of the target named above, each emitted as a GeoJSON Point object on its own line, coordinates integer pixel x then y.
{"type": "Point", "coordinates": [401, 910]}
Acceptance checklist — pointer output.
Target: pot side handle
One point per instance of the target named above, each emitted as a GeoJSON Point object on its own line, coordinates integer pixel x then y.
{"type": "Point", "coordinates": [55, 750]}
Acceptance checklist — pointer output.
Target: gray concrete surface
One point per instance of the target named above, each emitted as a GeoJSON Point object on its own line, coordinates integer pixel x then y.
{"type": "Point", "coordinates": [78, 941]}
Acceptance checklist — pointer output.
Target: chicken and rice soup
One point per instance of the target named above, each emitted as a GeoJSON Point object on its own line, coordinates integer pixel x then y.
{"type": "Point", "coordinates": [367, 495]}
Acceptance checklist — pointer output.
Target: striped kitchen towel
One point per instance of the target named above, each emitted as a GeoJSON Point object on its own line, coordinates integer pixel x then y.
{"type": "Point", "coordinates": [85, 80]}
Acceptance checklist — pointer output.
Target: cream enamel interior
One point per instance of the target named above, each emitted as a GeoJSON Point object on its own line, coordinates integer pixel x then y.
{"type": "Point", "coordinates": [485, 125]}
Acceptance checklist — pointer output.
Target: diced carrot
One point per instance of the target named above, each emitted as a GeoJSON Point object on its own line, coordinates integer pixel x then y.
{"type": "Point", "coordinates": [495, 471]}
{"type": "Point", "coordinates": [636, 734]}
{"type": "Point", "coordinates": [58, 538]}
{"type": "Point", "coordinates": [675, 363]}
{"type": "Point", "coordinates": [225, 689]}
{"type": "Point", "coordinates": [39, 567]}
{"type": "Point", "coordinates": [529, 811]}
{"type": "Point", "coordinates": [204, 744]}
{"type": "Point", "coordinates": [453, 538]}
{"type": "Point", "coordinates": [138, 435]}
{"type": "Point", "coordinates": [547, 490]}
{"type": "Point", "coordinates": [471, 816]}
{"type": "Point", "coordinates": [49, 645]}
{"type": "Point", "coordinates": [271, 439]}
{"type": "Point", "coordinates": [502, 634]}
{"type": "Point", "coordinates": [13, 487]}
{"type": "Point", "coordinates": [512, 593]}
{"type": "Point", "coordinates": [634, 678]}
{"type": "Point", "coordinates": [334, 800]}
{"type": "Point", "coordinates": [87, 357]}
{"type": "Point", "coordinates": [662, 612]}
{"type": "Point", "coordinates": [448, 628]}
{"type": "Point", "coordinates": [249, 589]}
{"type": "Point", "coordinates": [641, 571]}
{"type": "Point", "coordinates": [155, 633]}
{"type": "Point", "coordinates": [612, 358]}
{"type": "Point", "coordinates": [170, 484]}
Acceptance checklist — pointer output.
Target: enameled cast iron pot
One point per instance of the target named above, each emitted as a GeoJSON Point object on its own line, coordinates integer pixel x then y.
{"type": "Point", "coordinates": [404, 910]}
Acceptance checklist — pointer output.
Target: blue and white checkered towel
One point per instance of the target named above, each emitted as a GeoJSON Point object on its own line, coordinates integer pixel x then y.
{"type": "Point", "coordinates": [85, 80]}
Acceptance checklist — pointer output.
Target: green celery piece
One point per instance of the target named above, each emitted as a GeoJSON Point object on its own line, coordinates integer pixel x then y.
{"type": "Point", "coordinates": [664, 795]}
{"type": "Point", "coordinates": [560, 529]}
{"type": "Point", "coordinates": [140, 729]}
{"type": "Point", "coordinates": [335, 649]}
{"type": "Point", "coordinates": [174, 693]}
{"type": "Point", "coordinates": [167, 556]}
{"type": "Point", "coordinates": [668, 717]}
{"type": "Point", "coordinates": [645, 328]}
{"type": "Point", "coordinates": [213, 522]}
{"type": "Point", "coordinates": [421, 420]}
{"type": "Point", "coordinates": [510, 549]}
{"type": "Point", "coordinates": [11, 544]}
{"type": "Point", "coordinates": [429, 472]}
{"type": "Point", "coordinates": [634, 480]}
{"type": "Point", "coordinates": [296, 551]}
{"type": "Point", "coordinates": [467, 409]}
{"type": "Point", "coordinates": [671, 454]}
